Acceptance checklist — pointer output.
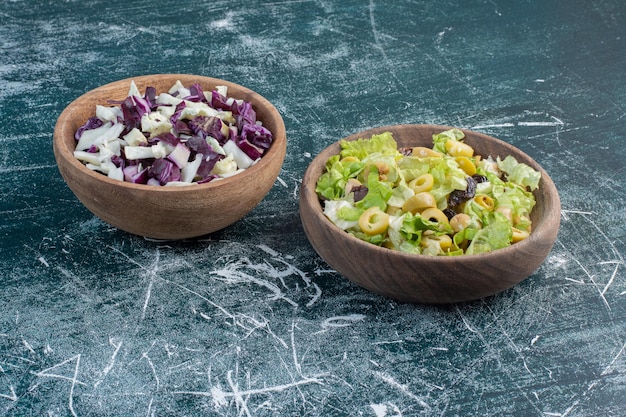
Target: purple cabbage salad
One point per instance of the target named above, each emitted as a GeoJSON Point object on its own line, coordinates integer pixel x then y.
{"type": "Point", "coordinates": [179, 137]}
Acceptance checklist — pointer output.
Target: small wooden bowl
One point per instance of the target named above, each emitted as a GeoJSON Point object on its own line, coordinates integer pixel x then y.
{"type": "Point", "coordinates": [422, 278]}
{"type": "Point", "coordinates": [167, 212]}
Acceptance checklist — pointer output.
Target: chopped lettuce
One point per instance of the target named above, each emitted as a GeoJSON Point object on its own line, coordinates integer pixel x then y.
{"type": "Point", "coordinates": [383, 144]}
{"type": "Point", "coordinates": [378, 239]}
{"type": "Point", "coordinates": [440, 139]}
{"type": "Point", "coordinates": [378, 192]}
{"type": "Point", "coordinates": [448, 177]}
{"type": "Point", "coordinates": [519, 173]}
{"type": "Point", "coordinates": [495, 200]}
{"type": "Point", "coordinates": [413, 224]}
{"type": "Point", "coordinates": [342, 213]}
{"type": "Point", "coordinates": [496, 235]}
{"type": "Point", "coordinates": [332, 183]}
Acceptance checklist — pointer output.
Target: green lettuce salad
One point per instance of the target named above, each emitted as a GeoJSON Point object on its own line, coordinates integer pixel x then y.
{"type": "Point", "coordinates": [442, 200]}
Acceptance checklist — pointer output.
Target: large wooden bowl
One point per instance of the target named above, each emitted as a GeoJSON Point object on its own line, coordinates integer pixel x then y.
{"type": "Point", "coordinates": [167, 212]}
{"type": "Point", "coordinates": [422, 278]}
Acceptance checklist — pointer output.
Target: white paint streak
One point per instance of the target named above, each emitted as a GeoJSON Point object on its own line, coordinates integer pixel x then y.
{"type": "Point", "coordinates": [245, 322]}
{"type": "Point", "coordinates": [389, 342]}
{"type": "Point", "coordinates": [402, 388]}
{"type": "Point", "coordinates": [465, 322]}
{"type": "Point", "coordinates": [10, 396]}
{"type": "Point", "coordinates": [379, 45]}
{"type": "Point", "coordinates": [25, 168]}
{"type": "Point", "coordinates": [226, 23]}
{"type": "Point", "coordinates": [43, 261]}
{"type": "Point", "coordinates": [541, 124]}
{"type": "Point", "coordinates": [618, 261]}
{"type": "Point", "coordinates": [381, 410]}
{"type": "Point", "coordinates": [111, 363]}
{"type": "Point", "coordinates": [607, 369]}
{"type": "Point", "coordinates": [28, 346]}
{"type": "Point", "coordinates": [556, 122]}
{"type": "Point", "coordinates": [577, 281]}
{"type": "Point", "coordinates": [443, 349]}
{"type": "Point", "coordinates": [221, 397]}
{"type": "Point", "coordinates": [282, 182]}
{"type": "Point", "coordinates": [340, 321]}
{"type": "Point", "coordinates": [268, 250]}
{"type": "Point", "coordinates": [152, 275]}
{"type": "Point", "coordinates": [492, 125]}
{"type": "Point", "coordinates": [234, 274]}
{"type": "Point", "coordinates": [613, 275]}
{"type": "Point", "coordinates": [73, 379]}
{"type": "Point", "coordinates": [152, 367]}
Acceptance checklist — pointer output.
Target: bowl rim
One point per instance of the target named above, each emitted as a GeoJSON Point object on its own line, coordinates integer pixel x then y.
{"type": "Point", "coordinates": [310, 196]}
{"type": "Point", "coordinates": [64, 151]}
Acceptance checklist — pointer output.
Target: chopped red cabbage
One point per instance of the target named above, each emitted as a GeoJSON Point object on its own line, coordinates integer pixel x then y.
{"type": "Point", "coordinates": [257, 135]}
{"type": "Point", "coordinates": [208, 178]}
{"type": "Point", "coordinates": [132, 173]}
{"type": "Point", "coordinates": [207, 164]}
{"type": "Point", "coordinates": [92, 123]}
{"type": "Point", "coordinates": [179, 109]}
{"type": "Point", "coordinates": [180, 155]}
{"type": "Point", "coordinates": [220, 102]}
{"type": "Point", "coordinates": [204, 126]}
{"type": "Point", "coordinates": [193, 144]}
{"type": "Point", "coordinates": [182, 127]}
{"type": "Point", "coordinates": [150, 97]}
{"type": "Point", "coordinates": [132, 113]}
{"type": "Point", "coordinates": [197, 95]}
{"type": "Point", "coordinates": [168, 138]}
{"type": "Point", "coordinates": [118, 161]}
{"type": "Point", "coordinates": [164, 170]}
{"type": "Point", "coordinates": [252, 151]}
{"type": "Point", "coordinates": [245, 114]}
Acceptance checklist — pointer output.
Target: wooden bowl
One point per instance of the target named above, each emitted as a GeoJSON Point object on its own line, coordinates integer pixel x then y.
{"type": "Point", "coordinates": [422, 278]}
{"type": "Point", "coordinates": [167, 212]}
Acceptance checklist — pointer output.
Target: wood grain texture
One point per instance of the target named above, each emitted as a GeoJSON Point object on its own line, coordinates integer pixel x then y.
{"type": "Point", "coordinates": [167, 212]}
{"type": "Point", "coordinates": [427, 279]}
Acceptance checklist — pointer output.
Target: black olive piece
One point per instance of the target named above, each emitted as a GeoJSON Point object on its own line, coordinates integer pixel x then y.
{"type": "Point", "coordinates": [457, 197]}
{"type": "Point", "coordinates": [449, 213]}
{"type": "Point", "coordinates": [479, 178]}
{"type": "Point", "coordinates": [360, 191]}
{"type": "Point", "coordinates": [405, 151]}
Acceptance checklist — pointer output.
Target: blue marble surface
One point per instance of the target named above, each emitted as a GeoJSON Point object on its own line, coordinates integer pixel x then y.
{"type": "Point", "coordinates": [249, 321]}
